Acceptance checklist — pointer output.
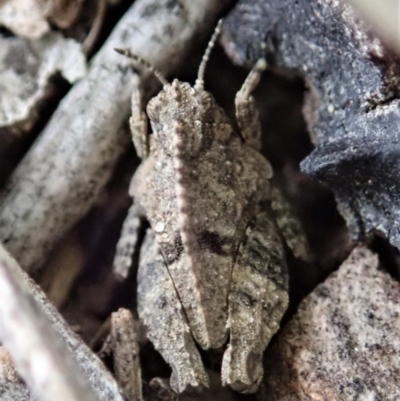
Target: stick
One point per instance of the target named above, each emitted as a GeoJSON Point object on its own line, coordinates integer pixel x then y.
{"type": "Point", "coordinates": [49, 356]}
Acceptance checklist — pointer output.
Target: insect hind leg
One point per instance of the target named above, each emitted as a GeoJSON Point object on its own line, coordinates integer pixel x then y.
{"type": "Point", "coordinates": [257, 302]}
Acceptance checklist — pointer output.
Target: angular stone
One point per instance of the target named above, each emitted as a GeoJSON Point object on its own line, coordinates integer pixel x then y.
{"type": "Point", "coordinates": [343, 343]}
{"type": "Point", "coordinates": [352, 108]}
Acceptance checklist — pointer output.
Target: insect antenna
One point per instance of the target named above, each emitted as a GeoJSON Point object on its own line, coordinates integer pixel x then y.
{"type": "Point", "coordinates": [129, 54]}
{"type": "Point", "coordinates": [199, 85]}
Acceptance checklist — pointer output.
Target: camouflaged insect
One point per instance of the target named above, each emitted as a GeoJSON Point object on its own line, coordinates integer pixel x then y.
{"type": "Point", "coordinates": [212, 264]}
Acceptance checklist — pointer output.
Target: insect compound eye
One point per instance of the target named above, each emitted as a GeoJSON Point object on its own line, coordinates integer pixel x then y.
{"type": "Point", "coordinates": [206, 101]}
{"type": "Point", "coordinates": [153, 110]}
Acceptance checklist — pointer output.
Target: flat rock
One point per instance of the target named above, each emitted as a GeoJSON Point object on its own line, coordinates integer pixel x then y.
{"type": "Point", "coordinates": [343, 343]}
{"type": "Point", "coordinates": [352, 106]}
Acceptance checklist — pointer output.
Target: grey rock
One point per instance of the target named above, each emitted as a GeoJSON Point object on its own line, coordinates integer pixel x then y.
{"type": "Point", "coordinates": [351, 109]}
{"type": "Point", "coordinates": [343, 342]}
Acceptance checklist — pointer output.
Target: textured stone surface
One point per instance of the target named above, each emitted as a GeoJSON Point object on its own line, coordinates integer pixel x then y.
{"type": "Point", "coordinates": [24, 18]}
{"type": "Point", "coordinates": [352, 109]}
{"type": "Point", "coordinates": [26, 67]}
{"type": "Point", "coordinates": [343, 343]}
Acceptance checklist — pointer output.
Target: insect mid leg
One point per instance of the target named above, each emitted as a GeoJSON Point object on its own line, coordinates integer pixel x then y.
{"type": "Point", "coordinates": [290, 226]}
{"type": "Point", "coordinates": [127, 242]}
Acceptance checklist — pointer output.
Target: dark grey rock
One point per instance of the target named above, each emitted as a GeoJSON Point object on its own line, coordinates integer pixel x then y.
{"type": "Point", "coordinates": [351, 108]}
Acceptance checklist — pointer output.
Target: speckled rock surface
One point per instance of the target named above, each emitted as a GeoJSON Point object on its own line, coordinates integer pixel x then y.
{"type": "Point", "coordinates": [25, 70]}
{"type": "Point", "coordinates": [352, 108]}
{"type": "Point", "coordinates": [343, 343]}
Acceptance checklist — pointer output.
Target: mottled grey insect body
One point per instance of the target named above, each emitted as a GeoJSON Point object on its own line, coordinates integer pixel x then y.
{"type": "Point", "coordinates": [213, 262]}
{"type": "Point", "coordinates": [203, 187]}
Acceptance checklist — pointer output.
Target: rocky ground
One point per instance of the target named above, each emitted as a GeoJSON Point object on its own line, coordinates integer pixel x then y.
{"type": "Point", "coordinates": [329, 111]}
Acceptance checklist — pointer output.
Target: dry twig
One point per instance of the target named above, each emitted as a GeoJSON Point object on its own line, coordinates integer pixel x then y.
{"type": "Point", "coordinates": [50, 357]}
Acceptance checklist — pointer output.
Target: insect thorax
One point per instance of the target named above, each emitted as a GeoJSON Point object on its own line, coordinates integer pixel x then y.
{"type": "Point", "coordinates": [183, 119]}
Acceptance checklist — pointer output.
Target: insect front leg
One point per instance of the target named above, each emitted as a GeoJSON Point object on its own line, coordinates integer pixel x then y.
{"type": "Point", "coordinates": [246, 111]}
{"type": "Point", "coordinates": [161, 312]}
{"type": "Point", "coordinates": [138, 121]}
{"type": "Point", "coordinates": [257, 302]}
